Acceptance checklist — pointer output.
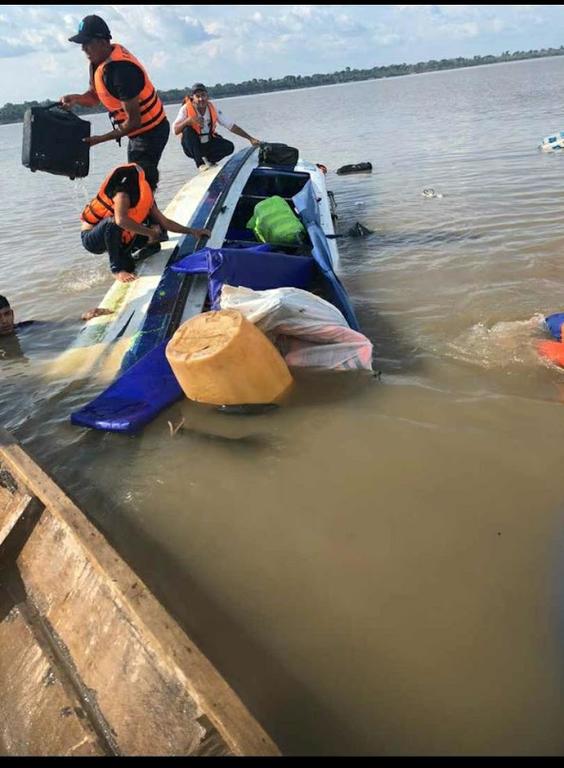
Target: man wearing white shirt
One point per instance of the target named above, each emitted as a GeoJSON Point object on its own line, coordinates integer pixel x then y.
{"type": "Point", "coordinates": [196, 124]}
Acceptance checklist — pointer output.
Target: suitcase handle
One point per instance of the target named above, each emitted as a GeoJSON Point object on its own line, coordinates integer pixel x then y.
{"type": "Point", "coordinates": [58, 104]}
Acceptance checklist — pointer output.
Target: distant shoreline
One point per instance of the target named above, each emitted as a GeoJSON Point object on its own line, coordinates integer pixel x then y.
{"type": "Point", "coordinates": [14, 113]}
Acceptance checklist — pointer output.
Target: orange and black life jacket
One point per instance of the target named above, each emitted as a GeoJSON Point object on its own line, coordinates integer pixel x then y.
{"type": "Point", "coordinates": [102, 205]}
{"type": "Point", "coordinates": [193, 112]}
{"type": "Point", "coordinates": [151, 107]}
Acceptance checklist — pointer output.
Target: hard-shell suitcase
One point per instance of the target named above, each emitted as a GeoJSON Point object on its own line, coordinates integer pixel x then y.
{"type": "Point", "coordinates": [53, 142]}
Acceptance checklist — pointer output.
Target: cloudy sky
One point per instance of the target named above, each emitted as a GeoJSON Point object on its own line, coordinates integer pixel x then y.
{"type": "Point", "coordinates": [183, 43]}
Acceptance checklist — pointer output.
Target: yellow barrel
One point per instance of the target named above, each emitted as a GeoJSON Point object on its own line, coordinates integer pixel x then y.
{"type": "Point", "coordinates": [223, 359]}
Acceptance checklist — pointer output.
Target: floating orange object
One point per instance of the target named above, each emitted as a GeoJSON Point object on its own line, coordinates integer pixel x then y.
{"type": "Point", "coordinates": [552, 350]}
{"type": "Point", "coordinates": [223, 359]}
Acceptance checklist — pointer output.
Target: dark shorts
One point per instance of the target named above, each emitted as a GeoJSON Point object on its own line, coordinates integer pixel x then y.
{"type": "Point", "coordinates": [216, 148]}
{"type": "Point", "coordinates": [105, 237]}
{"type": "Point", "coordinates": [148, 147]}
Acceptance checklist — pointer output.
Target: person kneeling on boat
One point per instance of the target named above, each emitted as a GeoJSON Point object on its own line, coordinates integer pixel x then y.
{"type": "Point", "coordinates": [196, 124]}
{"type": "Point", "coordinates": [124, 216]}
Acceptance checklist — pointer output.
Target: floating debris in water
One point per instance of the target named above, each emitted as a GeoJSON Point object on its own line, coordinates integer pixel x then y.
{"type": "Point", "coordinates": [554, 142]}
{"type": "Point", "coordinates": [430, 192]}
{"type": "Point", "coordinates": [354, 168]}
{"type": "Point", "coordinates": [174, 428]}
{"type": "Point", "coordinates": [359, 230]}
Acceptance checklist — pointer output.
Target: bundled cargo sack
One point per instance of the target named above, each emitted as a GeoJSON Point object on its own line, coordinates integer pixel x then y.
{"type": "Point", "coordinates": [53, 142]}
{"type": "Point", "coordinates": [277, 154]}
{"type": "Point", "coordinates": [309, 331]}
{"type": "Point", "coordinates": [276, 223]}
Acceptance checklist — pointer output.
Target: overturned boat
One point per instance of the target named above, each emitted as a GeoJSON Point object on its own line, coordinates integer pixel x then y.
{"type": "Point", "coordinates": [553, 142]}
{"type": "Point", "coordinates": [145, 313]}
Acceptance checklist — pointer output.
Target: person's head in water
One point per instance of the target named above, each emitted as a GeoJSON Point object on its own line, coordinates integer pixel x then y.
{"type": "Point", "coordinates": [6, 317]}
{"type": "Point", "coordinates": [94, 36]}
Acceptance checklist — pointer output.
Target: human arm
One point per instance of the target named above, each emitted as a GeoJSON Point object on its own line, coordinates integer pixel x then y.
{"type": "Point", "coordinates": [88, 99]}
{"type": "Point", "coordinates": [174, 226]}
{"type": "Point", "coordinates": [240, 132]}
{"type": "Point", "coordinates": [131, 123]}
{"type": "Point", "coordinates": [122, 205]}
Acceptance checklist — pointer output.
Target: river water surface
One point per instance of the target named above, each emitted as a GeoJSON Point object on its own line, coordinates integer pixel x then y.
{"type": "Point", "coordinates": [378, 567]}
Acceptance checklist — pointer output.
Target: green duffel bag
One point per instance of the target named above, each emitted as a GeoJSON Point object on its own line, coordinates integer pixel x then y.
{"type": "Point", "coordinates": [275, 222]}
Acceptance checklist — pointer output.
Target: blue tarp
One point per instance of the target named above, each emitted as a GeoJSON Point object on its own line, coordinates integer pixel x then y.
{"type": "Point", "coordinates": [252, 267]}
{"type": "Point", "coordinates": [135, 398]}
{"type": "Point", "coordinates": [554, 323]}
{"type": "Point", "coordinates": [308, 209]}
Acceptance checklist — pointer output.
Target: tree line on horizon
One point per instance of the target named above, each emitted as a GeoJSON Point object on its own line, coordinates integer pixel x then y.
{"type": "Point", "coordinates": [14, 113]}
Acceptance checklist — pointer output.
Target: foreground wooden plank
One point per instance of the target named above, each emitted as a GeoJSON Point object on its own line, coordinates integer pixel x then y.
{"type": "Point", "coordinates": [146, 688]}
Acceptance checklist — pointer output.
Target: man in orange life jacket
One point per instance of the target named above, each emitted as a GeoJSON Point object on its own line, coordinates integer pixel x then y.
{"type": "Point", "coordinates": [124, 215]}
{"type": "Point", "coordinates": [196, 123]}
{"type": "Point", "coordinates": [119, 81]}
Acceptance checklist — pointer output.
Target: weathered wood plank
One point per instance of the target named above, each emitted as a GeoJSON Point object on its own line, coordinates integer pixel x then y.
{"type": "Point", "coordinates": [39, 715]}
{"type": "Point", "coordinates": [89, 596]}
{"type": "Point", "coordinates": [11, 513]}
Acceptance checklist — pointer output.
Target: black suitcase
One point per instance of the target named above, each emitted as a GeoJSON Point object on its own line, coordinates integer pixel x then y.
{"type": "Point", "coordinates": [355, 168]}
{"type": "Point", "coordinates": [277, 154]}
{"type": "Point", "coordinates": [52, 142]}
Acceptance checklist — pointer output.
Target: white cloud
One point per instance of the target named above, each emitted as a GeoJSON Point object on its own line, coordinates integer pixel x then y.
{"type": "Point", "coordinates": [168, 25]}
{"type": "Point", "coordinates": [221, 43]}
{"type": "Point", "coordinates": [159, 60]}
{"type": "Point", "coordinates": [49, 65]}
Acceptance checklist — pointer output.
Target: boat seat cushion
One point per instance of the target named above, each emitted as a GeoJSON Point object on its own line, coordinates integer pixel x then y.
{"type": "Point", "coordinates": [253, 268]}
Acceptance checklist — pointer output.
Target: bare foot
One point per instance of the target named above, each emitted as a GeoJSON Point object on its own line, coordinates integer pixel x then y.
{"type": "Point", "coordinates": [96, 312]}
{"type": "Point", "coordinates": [125, 277]}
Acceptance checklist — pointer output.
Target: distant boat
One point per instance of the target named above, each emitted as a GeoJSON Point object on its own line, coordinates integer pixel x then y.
{"type": "Point", "coordinates": [553, 142]}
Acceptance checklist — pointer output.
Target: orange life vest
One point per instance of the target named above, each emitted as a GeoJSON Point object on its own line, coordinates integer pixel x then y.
{"type": "Point", "coordinates": [102, 206]}
{"type": "Point", "coordinates": [151, 107]}
{"type": "Point", "coordinates": [193, 112]}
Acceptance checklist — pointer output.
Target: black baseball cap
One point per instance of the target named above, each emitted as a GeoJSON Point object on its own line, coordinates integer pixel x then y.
{"type": "Point", "coordinates": [4, 302]}
{"type": "Point", "coordinates": [91, 27]}
{"type": "Point", "coordinates": [198, 87]}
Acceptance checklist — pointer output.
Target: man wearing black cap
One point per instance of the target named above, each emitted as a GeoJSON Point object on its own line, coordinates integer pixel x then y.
{"type": "Point", "coordinates": [119, 81]}
{"type": "Point", "coordinates": [196, 124]}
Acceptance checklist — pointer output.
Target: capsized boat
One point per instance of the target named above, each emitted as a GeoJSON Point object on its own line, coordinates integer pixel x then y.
{"type": "Point", "coordinates": [553, 142]}
{"type": "Point", "coordinates": [145, 384]}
